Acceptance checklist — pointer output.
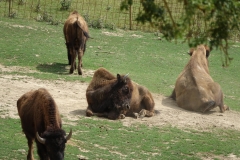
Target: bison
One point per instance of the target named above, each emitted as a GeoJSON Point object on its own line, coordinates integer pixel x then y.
{"type": "Point", "coordinates": [195, 89]}
{"type": "Point", "coordinates": [76, 35]}
{"type": "Point", "coordinates": [117, 97]}
{"type": "Point", "coordinates": [41, 122]}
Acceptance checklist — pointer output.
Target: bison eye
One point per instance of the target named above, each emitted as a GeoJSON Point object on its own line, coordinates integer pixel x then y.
{"type": "Point", "coordinates": [125, 90]}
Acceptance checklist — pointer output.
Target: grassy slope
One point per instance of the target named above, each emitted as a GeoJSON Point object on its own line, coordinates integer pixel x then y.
{"type": "Point", "coordinates": [150, 62]}
{"type": "Point", "coordinates": [155, 64]}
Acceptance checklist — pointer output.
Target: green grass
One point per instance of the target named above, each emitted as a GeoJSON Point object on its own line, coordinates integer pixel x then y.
{"type": "Point", "coordinates": [103, 139]}
{"type": "Point", "coordinates": [150, 62]}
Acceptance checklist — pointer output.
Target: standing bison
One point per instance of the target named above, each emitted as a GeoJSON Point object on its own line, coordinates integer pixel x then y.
{"type": "Point", "coordinates": [114, 97]}
{"type": "Point", "coordinates": [76, 35]}
{"type": "Point", "coordinates": [195, 89]}
{"type": "Point", "coordinates": [41, 122]}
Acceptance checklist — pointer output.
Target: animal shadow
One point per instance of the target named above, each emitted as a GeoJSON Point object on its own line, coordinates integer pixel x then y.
{"type": "Point", "coordinates": [81, 112]}
{"type": "Point", "coordinates": [169, 102]}
{"type": "Point", "coordinates": [55, 68]}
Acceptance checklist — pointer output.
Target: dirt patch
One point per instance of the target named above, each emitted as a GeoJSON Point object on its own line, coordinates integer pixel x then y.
{"type": "Point", "coordinates": [71, 100]}
{"type": "Point", "coordinates": [115, 34]}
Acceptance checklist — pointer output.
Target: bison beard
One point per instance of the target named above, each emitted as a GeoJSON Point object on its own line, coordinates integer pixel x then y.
{"type": "Point", "coordinates": [39, 115]}
{"type": "Point", "coordinates": [113, 100]}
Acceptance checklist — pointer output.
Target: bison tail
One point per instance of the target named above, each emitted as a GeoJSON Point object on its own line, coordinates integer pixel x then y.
{"type": "Point", "coordinates": [84, 32]}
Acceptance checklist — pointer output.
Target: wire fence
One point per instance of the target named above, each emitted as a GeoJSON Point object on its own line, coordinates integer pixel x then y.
{"type": "Point", "coordinates": [97, 13]}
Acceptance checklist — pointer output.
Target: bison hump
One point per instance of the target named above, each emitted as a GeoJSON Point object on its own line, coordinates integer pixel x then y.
{"type": "Point", "coordinates": [101, 78]}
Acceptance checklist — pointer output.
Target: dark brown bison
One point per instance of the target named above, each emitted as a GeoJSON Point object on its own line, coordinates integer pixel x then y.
{"type": "Point", "coordinates": [195, 89]}
{"type": "Point", "coordinates": [114, 97]}
{"type": "Point", "coordinates": [41, 122]}
{"type": "Point", "coordinates": [76, 35]}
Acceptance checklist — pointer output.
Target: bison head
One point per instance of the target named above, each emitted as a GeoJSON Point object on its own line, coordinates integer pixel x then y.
{"type": "Point", "coordinates": [205, 47]}
{"type": "Point", "coordinates": [54, 141]}
{"type": "Point", "coordinates": [121, 95]}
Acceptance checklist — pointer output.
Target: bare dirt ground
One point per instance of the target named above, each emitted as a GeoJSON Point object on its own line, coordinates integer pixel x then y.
{"type": "Point", "coordinates": [71, 100]}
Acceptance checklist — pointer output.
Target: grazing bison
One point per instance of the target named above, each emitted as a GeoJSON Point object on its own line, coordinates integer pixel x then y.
{"type": "Point", "coordinates": [114, 97]}
{"type": "Point", "coordinates": [76, 35]}
{"type": "Point", "coordinates": [195, 89]}
{"type": "Point", "coordinates": [41, 122]}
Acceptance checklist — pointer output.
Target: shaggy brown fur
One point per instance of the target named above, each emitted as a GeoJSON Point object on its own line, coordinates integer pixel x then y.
{"type": "Point", "coordinates": [102, 97]}
{"type": "Point", "coordinates": [39, 114]}
{"type": "Point", "coordinates": [195, 89]}
{"type": "Point", "coordinates": [76, 35]}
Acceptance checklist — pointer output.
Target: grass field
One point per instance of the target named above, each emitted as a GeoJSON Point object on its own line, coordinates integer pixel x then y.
{"type": "Point", "coordinates": [149, 61]}
{"type": "Point", "coordinates": [153, 63]}
{"type": "Point", "coordinates": [103, 139]}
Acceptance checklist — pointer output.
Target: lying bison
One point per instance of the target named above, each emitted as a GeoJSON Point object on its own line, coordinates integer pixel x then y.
{"type": "Point", "coordinates": [117, 97]}
{"type": "Point", "coordinates": [39, 116]}
{"type": "Point", "coordinates": [76, 35]}
{"type": "Point", "coordinates": [195, 89]}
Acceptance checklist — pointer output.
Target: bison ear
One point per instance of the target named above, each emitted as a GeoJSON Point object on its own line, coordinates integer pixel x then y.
{"type": "Point", "coordinates": [208, 50]}
{"type": "Point", "coordinates": [191, 51]}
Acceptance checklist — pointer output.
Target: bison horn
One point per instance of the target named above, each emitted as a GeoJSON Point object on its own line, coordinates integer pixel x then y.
{"type": "Point", "coordinates": [124, 78]}
{"type": "Point", "coordinates": [40, 139]}
{"type": "Point", "coordinates": [69, 135]}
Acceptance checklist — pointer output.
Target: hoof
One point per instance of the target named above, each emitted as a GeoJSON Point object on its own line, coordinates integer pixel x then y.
{"type": "Point", "coordinates": [142, 113]}
{"type": "Point", "coordinates": [226, 108]}
{"type": "Point", "coordinates": [80, 71]}
{"type": "Point", "coordinates": [122, 116]}
{"type": "Point", "coordinates": [71, 71]}
{"type": "Point", "coordinates": [136, 115]}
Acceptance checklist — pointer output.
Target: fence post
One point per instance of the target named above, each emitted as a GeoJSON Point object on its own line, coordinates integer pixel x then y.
{"type": "Point", "coordinates": [130, 17]}
{"type": "Point", "coordinates": [9, 9]}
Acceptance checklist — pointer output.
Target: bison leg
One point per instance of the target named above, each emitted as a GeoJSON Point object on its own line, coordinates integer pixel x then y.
{"type": "Point", "coordinates": [69, 53]}
{"type": "Point", "coordinates": [145, 113]}
{"type": "Point", "coordinates": [224, 108]}
{"type": "Point", "coordinates": [30, 148]}
{"type": "Point", "coordinates": [80, 55]}
{"type": "Point", "coordinates": [218, 97]}
{"type": "Point", "coordinates": [148, 110]}
{"type": "Point", "coordinates": [110, 115]}
{"type": "Point", "coordinates": [69, 57]}
{"type": "Point", "coordinates": [220, 103]}
{"type": "Point", "coordinates": [135, 115]}
{"type": "Point", "coordinates": [104, 114]}
{"type": "Point", "coordinates": [89, 112]}
{"type": "Point", "coordinates": [208, 106]}
{"type": "Point", "coordinates": [113, 115]}
{"type": "Point", "coordinates": [73, 61]}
